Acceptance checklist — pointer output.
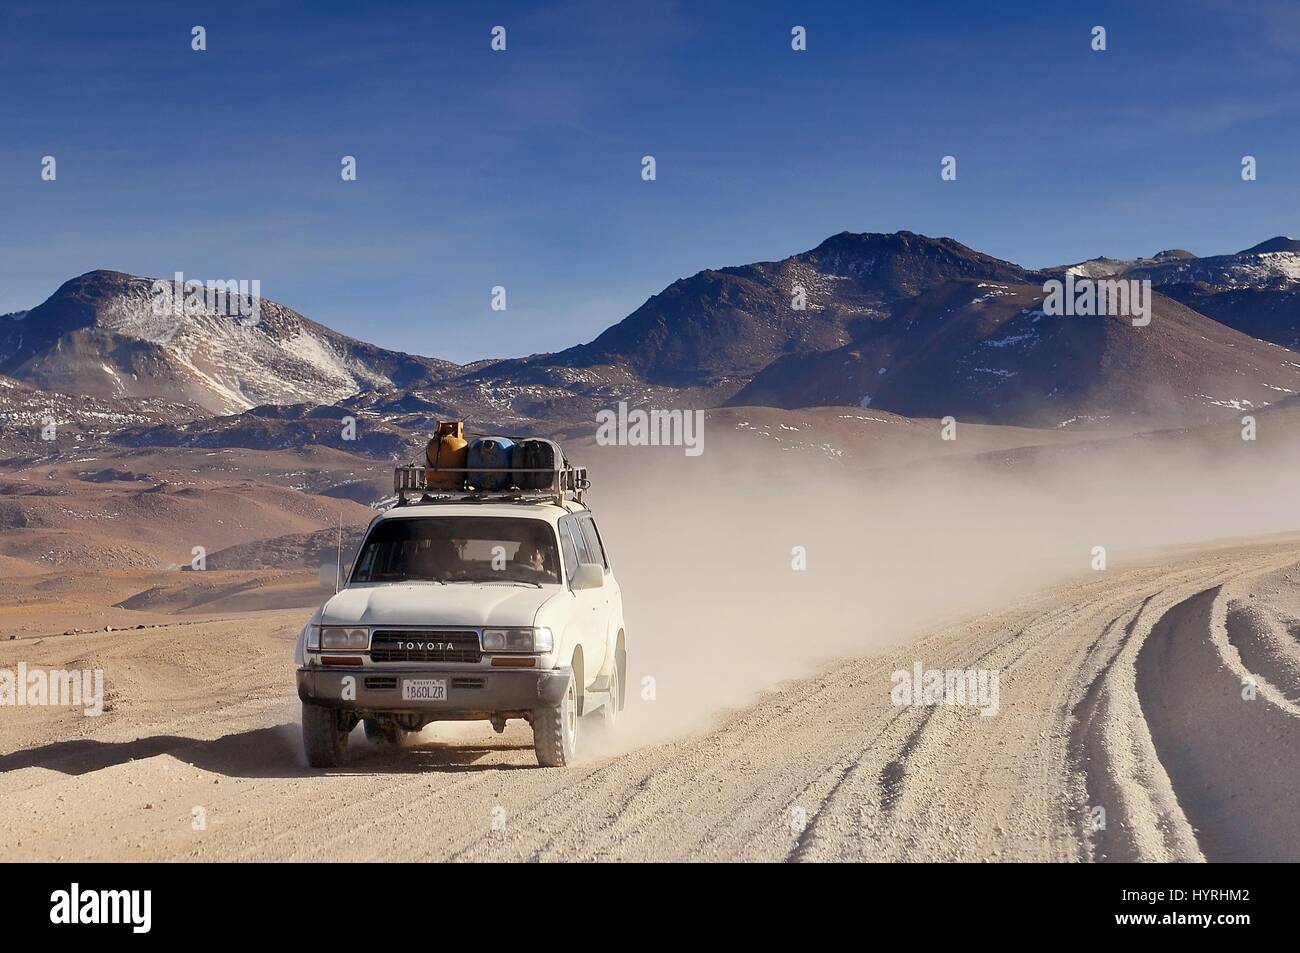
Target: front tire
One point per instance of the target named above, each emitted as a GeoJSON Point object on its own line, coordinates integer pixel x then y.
{"type": "Point", "coordinates": [555, 729]}
{"type": "Point", "coordinates": [324, 735]}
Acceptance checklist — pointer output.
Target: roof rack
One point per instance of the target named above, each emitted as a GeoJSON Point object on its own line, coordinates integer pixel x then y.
{"type": "Point", "coordinates": [411, 484]}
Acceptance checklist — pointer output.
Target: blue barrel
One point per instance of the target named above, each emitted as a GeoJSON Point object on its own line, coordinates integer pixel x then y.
{"type": "Point", "coordinates": [489, 463]}
{"type": "Point", "coordinates": [535, 453]}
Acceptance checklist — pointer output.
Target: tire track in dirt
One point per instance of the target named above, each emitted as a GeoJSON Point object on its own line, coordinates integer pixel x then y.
{"type": "Point", "coordinates": [1088, 750]}
{"type": "Point", "coordinates": [1233, 758]}
{"type": "Point", "coordinates": [877, 781]}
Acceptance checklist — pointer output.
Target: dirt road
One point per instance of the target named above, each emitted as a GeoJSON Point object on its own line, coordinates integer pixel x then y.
{"type": "Point", "coordinates": [1121, 733]}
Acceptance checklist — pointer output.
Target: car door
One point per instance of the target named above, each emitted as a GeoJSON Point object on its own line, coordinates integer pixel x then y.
{"type": "Point", "coordinates": [610, 596]}
{"type": "Point", "coordinates": [587, 602]}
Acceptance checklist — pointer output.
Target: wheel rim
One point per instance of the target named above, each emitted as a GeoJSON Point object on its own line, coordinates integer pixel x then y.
{"type": "Point", "coordinates": [611, 708]}
{"type": "Point", "coordinates": [571, 712]}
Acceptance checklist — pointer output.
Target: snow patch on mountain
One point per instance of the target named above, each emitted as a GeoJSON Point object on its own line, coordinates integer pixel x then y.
{"type": "Point", "coordinates": [1227, 271]}
{"type": "Point", "coordinates": [138, 345]}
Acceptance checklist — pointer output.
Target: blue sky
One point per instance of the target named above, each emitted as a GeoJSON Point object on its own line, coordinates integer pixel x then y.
{"type": "Point", "coordinates": [522, 168]}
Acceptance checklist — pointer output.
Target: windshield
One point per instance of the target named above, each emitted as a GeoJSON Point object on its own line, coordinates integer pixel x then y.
{"type": "Point", "coordinates": [459, 549]}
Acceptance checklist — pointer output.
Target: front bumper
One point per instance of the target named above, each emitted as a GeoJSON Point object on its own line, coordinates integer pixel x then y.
{"type": "Point", "coordinates": [470, 692]}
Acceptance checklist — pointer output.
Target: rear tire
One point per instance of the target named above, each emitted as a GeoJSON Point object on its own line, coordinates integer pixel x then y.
{"type": "Point", "coordinates": [609, 714]}
{"type": "Point", "coordinates": [621, 657]}
{"type": "Point", "coordinates": [555, 729]}
{"type": "Point", "coordinates": [324, 735]}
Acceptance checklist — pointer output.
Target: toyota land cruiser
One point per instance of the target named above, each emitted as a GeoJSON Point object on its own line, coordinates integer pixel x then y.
{"type": "Point", "coordinates": [468, 606]}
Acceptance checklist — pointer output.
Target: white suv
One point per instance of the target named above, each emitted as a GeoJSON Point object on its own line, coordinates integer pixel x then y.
{"type": "Point", "coordinates": [461, 611]}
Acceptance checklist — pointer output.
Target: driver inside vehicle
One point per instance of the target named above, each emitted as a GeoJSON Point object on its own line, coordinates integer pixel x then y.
{"type": "Point", "coordinates": [530, 557]}
{"type": "Point", "coordinates": [437, 559]}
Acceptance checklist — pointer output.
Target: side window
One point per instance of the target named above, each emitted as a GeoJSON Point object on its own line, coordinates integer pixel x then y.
{"type": "Point", "coordinates": [570, 553]}
{"type": "Point", "coordinates": [364, 565]}
{"type": "Point", "coordinates": [592, 537]}
{"type": "Point", "coordinates": [584, 555]}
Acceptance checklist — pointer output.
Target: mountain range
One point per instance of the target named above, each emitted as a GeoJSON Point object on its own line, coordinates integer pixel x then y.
{"type": "Point", "coordinates": [917, 326]}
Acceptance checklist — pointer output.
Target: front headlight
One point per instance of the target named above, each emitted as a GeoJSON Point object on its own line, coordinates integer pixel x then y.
{"type": "Point", "coordinates": [531, 640]}
{"type": "Point", "coordinates": [543, 641]}
{"type": "Point", "coordinates": [344, 637]}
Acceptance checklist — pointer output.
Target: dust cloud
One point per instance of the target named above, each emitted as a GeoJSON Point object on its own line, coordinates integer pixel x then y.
{"type": "Point", "coordinates": [704, 548]}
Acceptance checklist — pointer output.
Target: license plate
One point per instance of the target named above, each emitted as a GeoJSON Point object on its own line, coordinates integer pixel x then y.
{"type": "Point", "coordinates": [424, 689]}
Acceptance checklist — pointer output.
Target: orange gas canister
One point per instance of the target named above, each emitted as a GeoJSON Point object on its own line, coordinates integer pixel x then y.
{"type": "Point", "coordinates": [448, 448]}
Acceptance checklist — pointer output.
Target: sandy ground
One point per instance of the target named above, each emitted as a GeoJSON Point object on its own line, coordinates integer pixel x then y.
{"type": "Point", "coordinates": [1122, 732]}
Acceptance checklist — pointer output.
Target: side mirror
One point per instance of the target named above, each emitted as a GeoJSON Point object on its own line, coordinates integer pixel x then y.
{"type": "Point", "coordinates": [588, 576]}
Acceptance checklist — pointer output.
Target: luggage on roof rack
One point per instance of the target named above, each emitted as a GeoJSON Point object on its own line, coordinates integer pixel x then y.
{"type": "Point", "coordinates": [504, 470]}
{"type": "Point", "coordinates": [489, 463]}
{"type": "Point", "coordinates": [533, 460]}
{"type": "Point", "coordinates": [448, 448]}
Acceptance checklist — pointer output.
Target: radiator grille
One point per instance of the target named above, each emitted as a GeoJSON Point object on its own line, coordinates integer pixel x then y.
{"type": "Point", "coordinates": [389, 646]}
